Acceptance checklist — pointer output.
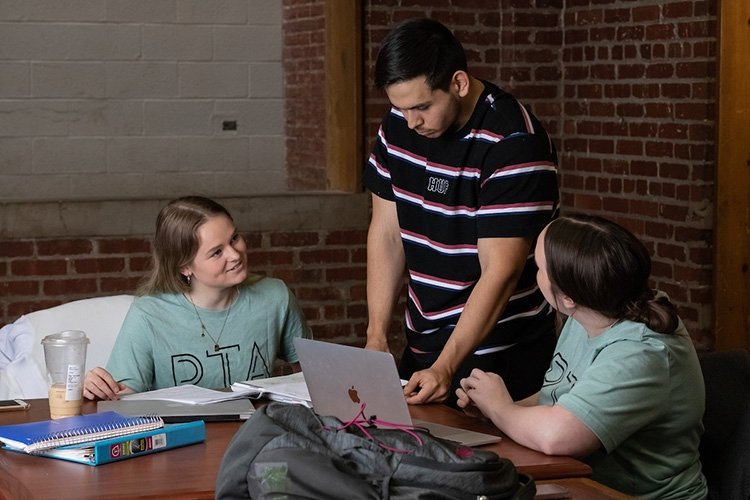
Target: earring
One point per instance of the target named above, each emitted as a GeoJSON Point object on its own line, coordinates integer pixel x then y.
{"type": "Point", "coordinates": [188, 278]}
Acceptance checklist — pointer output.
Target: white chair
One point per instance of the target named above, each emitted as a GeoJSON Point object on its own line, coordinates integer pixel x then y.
{"type": "Point", "coordinates": [22, 371]}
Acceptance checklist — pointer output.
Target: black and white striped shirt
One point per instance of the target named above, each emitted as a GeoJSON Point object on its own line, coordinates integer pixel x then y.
{"type": "Point", "coordinates": [494, 178]}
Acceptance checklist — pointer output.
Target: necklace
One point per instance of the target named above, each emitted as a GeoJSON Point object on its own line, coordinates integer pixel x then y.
{"type": "Point", "coordinates": [204, 330]}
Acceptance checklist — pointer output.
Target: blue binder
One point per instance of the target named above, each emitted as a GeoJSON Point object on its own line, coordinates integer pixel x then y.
{"type": "Point", "coordinates": [133, 445]}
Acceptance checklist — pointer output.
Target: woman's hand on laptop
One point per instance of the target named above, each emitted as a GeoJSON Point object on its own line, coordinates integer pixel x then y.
{"type": "Point", "coordinates": [99, 384]}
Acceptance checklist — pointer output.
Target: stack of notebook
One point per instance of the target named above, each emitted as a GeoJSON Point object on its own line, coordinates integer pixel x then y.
{"type": "Point", "coordinates": [183, 403]}
{"type": "Point", "coordinates": [99, 438]}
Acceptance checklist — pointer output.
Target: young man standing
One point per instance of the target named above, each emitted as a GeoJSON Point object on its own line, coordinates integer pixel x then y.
{"type": "Point", "coordinates": [463, 179]}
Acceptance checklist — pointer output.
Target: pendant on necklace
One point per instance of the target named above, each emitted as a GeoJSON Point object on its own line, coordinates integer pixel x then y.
{"type": "Point", "coordinates": [216, 347]}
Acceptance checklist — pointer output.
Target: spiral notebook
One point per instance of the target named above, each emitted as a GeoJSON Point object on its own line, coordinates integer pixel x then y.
{"type": "Point", "coordinates": [48, 434]}
{"type": "Point", "coordinates": [132, 445]}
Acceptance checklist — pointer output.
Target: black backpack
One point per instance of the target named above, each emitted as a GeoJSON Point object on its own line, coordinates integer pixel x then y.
{"type": "Point", "coordinates": [286, 451]}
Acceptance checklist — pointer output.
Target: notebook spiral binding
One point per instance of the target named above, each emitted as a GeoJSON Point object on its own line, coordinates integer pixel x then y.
{"type": "Point", "coordinates": [120, 427]}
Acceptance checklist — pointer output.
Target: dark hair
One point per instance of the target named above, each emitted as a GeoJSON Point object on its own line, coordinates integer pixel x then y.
{"type": "Point", "coordinates": [176, 242]}
{"type": "Point", "coordinates": [604, 267]}
{"type": "Point", "coordinates": [419, 47]}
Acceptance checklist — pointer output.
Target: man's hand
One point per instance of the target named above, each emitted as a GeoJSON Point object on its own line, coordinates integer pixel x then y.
{"type": "Point", "coordinates": [428, 386]}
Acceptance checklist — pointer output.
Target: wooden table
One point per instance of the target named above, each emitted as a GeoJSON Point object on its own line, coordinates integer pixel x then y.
{"type": "Point", "coordinates": [190, 472]}
{"type": "Point", "coordinates": [526, 460]}
{"type": "Point", "coordinates": [581, 488]}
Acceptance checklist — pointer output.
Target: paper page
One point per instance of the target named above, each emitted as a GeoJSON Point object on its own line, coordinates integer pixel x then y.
{"type": "Point", "coordinates": [190, 394]}
{"type": "Point", "coordinates": [286, 388]}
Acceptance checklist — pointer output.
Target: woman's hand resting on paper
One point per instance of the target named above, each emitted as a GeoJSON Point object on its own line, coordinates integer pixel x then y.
{"type": "Point", "coordinates": [99, 384]}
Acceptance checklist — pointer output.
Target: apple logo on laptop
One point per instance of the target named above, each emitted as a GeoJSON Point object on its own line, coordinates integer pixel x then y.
{"type": "Point", "coordinates": [353, 395]}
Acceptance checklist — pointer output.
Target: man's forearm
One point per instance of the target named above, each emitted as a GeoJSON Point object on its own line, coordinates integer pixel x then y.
{"type": "Point", "coordinates": [481, 312]}
{"type": "Point", "coordinates": [384, 282]}
{"type": "Point", "coordinates": [502, 263]}
{"type": "Point", "coordinates": [385, 270]}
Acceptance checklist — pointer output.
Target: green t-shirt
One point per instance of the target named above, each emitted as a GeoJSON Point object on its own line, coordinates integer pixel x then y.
{"type": "Point", "coordinates": [642, 394]}
{"type": "Point", "coordinates": [160, 343]}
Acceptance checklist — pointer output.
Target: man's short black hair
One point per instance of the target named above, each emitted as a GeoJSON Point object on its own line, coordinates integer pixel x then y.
{"type": "Point", "coordinates": [419, 47]}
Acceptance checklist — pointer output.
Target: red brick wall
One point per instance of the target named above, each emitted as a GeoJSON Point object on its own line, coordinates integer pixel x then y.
{"type": "Point", "coordinates": [627, 90]}
{"type": "Point", "coordinates": [43, 273]}
{"type": "Point", "coordinates": [325, 270]}
{"type": "Point", "coordinates": [638, 134]}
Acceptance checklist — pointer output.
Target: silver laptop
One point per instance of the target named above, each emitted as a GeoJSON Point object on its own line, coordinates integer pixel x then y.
{"type": "Point", "coordinates": [342, 378]}
{"type": "Point", "coordinates": [171, 411]}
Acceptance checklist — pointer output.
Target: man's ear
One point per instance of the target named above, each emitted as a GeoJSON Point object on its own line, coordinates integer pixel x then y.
{"type": "Point", "coordinates": [460, 83]}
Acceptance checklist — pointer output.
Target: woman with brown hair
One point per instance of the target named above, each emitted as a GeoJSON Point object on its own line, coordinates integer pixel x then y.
{"type": "Point", "coordinates": [624, 390]}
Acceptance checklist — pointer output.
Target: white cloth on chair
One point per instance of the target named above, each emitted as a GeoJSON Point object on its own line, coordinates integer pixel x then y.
{"type": "Point", "coordinates": [21, 376]}
{"type": "Point", "coordinates": [22, 372]}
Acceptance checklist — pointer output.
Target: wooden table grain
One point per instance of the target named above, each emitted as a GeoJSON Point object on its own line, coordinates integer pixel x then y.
{"type": "Point", "coordinates": [190, 472]}
{"type": "Point", "coordinates": [579, 488]}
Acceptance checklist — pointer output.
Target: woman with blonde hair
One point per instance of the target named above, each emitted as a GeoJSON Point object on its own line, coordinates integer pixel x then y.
{"type": "Point", "coordinates": [200, 318]}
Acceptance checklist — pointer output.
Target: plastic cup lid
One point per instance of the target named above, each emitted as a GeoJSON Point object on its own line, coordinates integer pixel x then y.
{"type": "Point", "coordinates": [66, 337]}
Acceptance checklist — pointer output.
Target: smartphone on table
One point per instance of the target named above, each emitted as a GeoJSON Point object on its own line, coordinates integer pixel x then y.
{"type": "Point", "coordinates": [13, 404]}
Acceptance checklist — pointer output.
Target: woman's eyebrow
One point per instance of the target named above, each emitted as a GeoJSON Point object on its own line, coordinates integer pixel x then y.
{"type": "Point", "coordinates": [213, 248]}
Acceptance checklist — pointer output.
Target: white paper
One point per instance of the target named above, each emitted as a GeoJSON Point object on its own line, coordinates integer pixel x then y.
{"type": "Point", "coordinates": [190, 394]}
{"type": "Point", "coordinates": [286, 388]}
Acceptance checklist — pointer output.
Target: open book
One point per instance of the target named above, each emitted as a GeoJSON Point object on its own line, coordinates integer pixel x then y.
{"type": "Point", "coordinates": [286, 388]}
{"type": "Point", "coordinates": [188, 394]}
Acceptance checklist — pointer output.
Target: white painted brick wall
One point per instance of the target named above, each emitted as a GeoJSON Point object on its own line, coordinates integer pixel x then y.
{"type": "Point", "coordinates": [177, 43]}
{"type": "Point", "coordinates": [63, 155]}
{"type": "Point", "coordinates": [247, 43]}
{"type": "Point", "coordinates": [265, 79]}
{"type": "Point", "coordinates": [150, 154]}
{"type": "Point", "coordinates": [142, 80]}
{"type": "Point", "coordinates": [126, 99]}
{"type": "Point", "coordinates": [15, 79]}
{"type": "Point", "coordinates": [104, 117]}
{"type": "Point", "coordinates": [67, 79]}
{"type": "Point", "coordinates": [15, 156]}
{"type": "Point", "coordinates": [206, 80]}
{"type": "Point", "coordinates": [228, 11]}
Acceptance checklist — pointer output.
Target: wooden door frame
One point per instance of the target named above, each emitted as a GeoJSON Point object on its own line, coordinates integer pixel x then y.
{"type": "Point", "coordinates": [732, 212]}
{"type": "Point", "coordinates": [343, 88]}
